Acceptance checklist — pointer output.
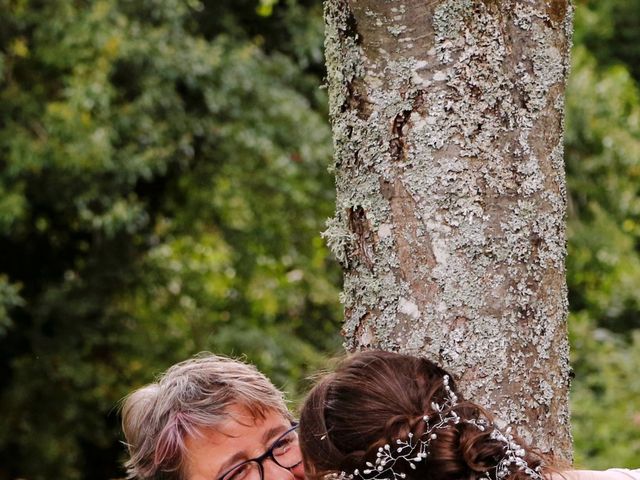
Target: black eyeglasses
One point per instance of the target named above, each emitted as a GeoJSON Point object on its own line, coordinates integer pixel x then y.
{"type": "Point", "coordinates": [285, 452]}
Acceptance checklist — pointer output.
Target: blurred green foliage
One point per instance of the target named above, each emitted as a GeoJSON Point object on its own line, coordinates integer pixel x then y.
{"type": "Point", "coordinates": [163, 186]}
{"type": "Point", "coordinates": [609, 30]}
{"type": "Point", "coordinates": [605, 413]}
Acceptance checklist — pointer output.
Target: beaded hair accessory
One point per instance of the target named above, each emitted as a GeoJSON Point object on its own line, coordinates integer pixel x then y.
{"type": "Point", "coordinates": [414, 449]}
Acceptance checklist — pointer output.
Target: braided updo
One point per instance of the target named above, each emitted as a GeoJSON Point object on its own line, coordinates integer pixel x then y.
{"type": "Point", "coordinates": [374, 398]}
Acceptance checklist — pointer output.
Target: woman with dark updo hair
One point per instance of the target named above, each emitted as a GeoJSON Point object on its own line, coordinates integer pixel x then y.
{"type": "Point", "coordinates": [388, 416]}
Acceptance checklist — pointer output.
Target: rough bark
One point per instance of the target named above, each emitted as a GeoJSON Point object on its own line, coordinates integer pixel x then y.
{"type": "Point", "coordinates": [447, 118]}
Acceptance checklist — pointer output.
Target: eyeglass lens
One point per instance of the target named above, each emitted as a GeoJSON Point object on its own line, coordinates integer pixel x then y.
{"type": "Point", "coordinates": [286, 450]}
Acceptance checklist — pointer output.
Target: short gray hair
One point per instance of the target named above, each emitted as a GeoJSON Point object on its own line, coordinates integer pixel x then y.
{"type": "Point", "coordinates": [189, 397]}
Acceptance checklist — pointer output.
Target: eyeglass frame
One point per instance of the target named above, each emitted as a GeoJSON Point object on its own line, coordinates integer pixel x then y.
{"type": "Point", "coordinates": [266, 455]}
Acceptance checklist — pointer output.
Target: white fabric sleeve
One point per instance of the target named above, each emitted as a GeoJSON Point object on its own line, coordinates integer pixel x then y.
{"type": "Point", "coordinates": [611, 474]}
{"type": "Point", "coordinates": [631, 474]}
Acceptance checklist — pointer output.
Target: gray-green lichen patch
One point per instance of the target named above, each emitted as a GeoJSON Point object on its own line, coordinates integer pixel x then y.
{"type": "Point", "coordinates": [339, 239]}
{"type": "Point", "coordinates": [450, 17]}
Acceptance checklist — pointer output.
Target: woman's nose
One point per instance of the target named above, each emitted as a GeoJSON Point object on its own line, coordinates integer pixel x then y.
{"type": "Point", "coordinates": [298, 471]}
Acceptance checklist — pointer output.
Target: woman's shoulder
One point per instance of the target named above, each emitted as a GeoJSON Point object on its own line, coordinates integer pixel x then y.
{"type": "Point", "coordinates": [611, 474]}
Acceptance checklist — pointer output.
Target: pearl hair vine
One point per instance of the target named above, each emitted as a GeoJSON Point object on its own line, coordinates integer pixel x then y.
{"type": "Point", "coordinates": [414, 449]}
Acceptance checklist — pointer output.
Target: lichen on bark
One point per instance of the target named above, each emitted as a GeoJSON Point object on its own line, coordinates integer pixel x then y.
{"type": "Point", "coordinates": [447, 122]}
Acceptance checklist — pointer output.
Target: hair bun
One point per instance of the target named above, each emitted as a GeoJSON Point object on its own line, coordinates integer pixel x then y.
{"type": "Point", "coordinates": [377, 398]}
{"type": "Point", "coordinates": [399, 426]}
{"type": "Point", "coordinates": [477, 449]}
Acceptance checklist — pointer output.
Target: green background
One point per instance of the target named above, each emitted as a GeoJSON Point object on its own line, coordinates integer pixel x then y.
{"type": "Point", "coordinates": [163, 185]}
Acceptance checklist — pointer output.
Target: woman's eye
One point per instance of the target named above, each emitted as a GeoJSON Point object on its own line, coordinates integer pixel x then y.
{"type": "Point", "coordinates": [238, 473]}
{"type": "Point", "coordinates": [283, 444]}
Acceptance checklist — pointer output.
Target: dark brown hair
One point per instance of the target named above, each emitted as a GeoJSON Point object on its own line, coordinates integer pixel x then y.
{"type": "Point", "coordinates": [376, 397]}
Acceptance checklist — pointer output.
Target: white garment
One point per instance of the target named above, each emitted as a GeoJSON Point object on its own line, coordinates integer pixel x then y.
{"type": "Point", "coordinates": [632, 474]}
{"type": "Point", "coordinates": [611, 474]}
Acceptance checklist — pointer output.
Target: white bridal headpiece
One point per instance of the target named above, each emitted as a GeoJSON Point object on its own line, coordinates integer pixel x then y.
{"type": "Point", "coordinates": [415, 449]}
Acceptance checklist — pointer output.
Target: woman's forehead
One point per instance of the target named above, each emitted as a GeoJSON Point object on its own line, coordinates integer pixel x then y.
{"type": "Point", "coordinates": [239, 437]}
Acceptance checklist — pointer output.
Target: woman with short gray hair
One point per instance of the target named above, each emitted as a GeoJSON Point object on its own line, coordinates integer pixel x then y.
{"type": "Point", "coordinates": [207, 417]}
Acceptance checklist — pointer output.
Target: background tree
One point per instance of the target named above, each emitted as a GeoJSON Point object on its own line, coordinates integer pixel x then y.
{"type": "Point", "coordinates": [447, 121]}
{"type": "Point", "coordinates": [603, 274]}
{"type": "Point", "coordinates": [162, 186]}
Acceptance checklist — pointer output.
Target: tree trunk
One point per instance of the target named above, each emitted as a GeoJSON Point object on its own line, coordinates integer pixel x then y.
{"type": "Point", "coordinates": [447, 119]}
